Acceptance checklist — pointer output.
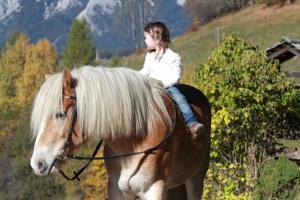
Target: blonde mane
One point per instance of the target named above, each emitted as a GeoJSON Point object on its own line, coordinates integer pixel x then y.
{"type": "Point", "coordinates": [111, 102]}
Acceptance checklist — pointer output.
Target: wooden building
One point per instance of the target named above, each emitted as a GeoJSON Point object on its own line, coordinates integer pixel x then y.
{"type": "Point", "coordinates": [286, 49]}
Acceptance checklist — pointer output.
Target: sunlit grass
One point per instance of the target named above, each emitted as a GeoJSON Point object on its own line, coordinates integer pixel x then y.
{"type": "Point", "coordinates": [290, 143]}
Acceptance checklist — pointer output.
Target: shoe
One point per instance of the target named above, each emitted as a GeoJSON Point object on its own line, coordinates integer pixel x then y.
{"type": "Point", "coordinates": [197, 129]}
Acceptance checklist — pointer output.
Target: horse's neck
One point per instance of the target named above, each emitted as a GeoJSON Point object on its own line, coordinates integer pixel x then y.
{"type": "Point", "coordinates": [149, 140]}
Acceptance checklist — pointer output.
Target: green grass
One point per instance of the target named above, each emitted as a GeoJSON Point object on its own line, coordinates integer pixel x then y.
{"type": "Point", "coordinates": [290, 143]}
{"type": "Point", "coordinates": [260, 25]}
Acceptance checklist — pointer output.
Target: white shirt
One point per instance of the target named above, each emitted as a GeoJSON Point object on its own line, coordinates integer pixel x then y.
{"type": "Point", "coordinates": [167, 68]}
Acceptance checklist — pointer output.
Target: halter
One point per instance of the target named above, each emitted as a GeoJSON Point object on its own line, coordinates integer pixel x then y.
{"type": "Point", "coordinates": [93, 157]}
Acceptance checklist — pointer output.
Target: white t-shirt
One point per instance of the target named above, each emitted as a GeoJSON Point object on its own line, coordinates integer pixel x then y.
{"type": "Point", "coordinates": [167, 68]}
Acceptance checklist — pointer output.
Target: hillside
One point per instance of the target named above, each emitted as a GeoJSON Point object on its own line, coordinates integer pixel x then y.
{"type": "Point", "coordinates": [262, 26]}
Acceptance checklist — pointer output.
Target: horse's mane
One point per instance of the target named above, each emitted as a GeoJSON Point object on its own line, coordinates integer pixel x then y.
{"type": "Point", "coordinates": [111, 102]}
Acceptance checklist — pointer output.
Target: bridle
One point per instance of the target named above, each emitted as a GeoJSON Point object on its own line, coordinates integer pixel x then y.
{"type": "Point", "coordinates": [66, 147]}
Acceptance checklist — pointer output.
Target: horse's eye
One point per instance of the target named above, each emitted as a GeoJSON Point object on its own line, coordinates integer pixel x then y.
{"type": "Point", "coordinates": [60, 115]}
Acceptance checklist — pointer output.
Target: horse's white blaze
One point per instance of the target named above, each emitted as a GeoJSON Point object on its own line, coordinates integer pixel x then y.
{"type": "Point", "coordinates": [46, 151]}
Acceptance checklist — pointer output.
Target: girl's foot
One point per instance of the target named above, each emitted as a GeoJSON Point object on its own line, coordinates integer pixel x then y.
{"type": "Point", "coordinates": [197, 129]}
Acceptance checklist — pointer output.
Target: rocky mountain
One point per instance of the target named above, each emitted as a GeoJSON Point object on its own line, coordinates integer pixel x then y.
{"type": "Point", "coordinates": [114, 23]}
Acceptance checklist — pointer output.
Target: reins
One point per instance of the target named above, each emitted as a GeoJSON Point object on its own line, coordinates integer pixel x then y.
{"type": "Point", "coordinates": [93, 157]}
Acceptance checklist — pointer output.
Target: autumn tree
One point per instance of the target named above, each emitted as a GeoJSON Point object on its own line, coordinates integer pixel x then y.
{"type": "Point", "coordinates": [80, 49]}
{"type": "Point", "coordinates": [22, 70]}
{"type": "Point", "coordinates": [40, 60]}
{"type": "Point", "coordinates": [11, 67]}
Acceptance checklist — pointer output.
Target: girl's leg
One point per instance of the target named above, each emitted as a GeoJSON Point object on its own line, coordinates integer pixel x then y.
{"type": "Point", "coordinates": [183, 105]}
{"type": "Point", "coordinates": [195, 127]}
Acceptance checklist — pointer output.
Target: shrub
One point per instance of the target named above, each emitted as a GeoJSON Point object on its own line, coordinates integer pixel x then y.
{"type": "Point", "coordinates": [250, 100]}
{"type": "Point", "coordinates": [278, 180]}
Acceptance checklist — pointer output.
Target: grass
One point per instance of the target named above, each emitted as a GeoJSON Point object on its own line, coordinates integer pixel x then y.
{"type": "Point", "coordinates": [290, 143]}
{"type": "Point", "coordinates": [260, 25]}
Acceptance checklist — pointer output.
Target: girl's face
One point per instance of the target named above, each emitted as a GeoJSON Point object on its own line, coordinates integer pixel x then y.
{"type": "Point", "coordinates": [150, 41]}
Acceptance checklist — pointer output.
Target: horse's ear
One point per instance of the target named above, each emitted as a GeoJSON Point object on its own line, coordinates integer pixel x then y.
{"type": "Point", "coordinates": [67, 78]}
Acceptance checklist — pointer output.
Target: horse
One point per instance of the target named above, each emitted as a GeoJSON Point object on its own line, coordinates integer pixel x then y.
{"type": "Point", "coordinates": [130, 113]}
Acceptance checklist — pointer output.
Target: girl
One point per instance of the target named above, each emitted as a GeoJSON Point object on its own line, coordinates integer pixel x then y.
{"type": "Point", "coordinates": [163, 64]}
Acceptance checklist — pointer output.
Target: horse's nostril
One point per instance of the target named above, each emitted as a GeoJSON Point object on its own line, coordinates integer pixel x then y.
{"type": "Point", "coordinates": [41, 164]}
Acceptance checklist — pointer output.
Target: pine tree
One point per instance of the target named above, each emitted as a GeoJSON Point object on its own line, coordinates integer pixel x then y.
{"type": "Point", "coordinates": [79, 49]}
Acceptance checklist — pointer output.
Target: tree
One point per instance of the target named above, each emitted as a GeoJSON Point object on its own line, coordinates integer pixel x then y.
{"type": "Point", "coordinates": [11, 67]}
{"type": "Point", "coordinates": [79, 49]}
{"type": "Point", "coordinates": [22, 70]}
{"type": "Point", "coordinates": [41, 59]}
{"type": "Point", "coordinates": [250, 101]}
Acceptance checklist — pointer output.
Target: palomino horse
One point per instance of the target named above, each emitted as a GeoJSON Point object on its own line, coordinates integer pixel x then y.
{"type": "Point", "coordinates": [130, 113]}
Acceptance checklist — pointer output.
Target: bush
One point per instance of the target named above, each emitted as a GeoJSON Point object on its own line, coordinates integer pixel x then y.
{"type": "Point", "coordinates": [279, 179]}
{"type": "Point", "coordinates": [250, 101]}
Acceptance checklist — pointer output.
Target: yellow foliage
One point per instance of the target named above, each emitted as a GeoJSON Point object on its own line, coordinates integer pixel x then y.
{"type": "Point", "coordinates": [95, 182]}
{"type": "Point", "coordinates": [11, 68]}
{"type": "Point", "coordinates": [40, 60]}
{"type": "Point", "coordinates": [221, 183]}
{"type": "Point", "coordinates": [22, 69]}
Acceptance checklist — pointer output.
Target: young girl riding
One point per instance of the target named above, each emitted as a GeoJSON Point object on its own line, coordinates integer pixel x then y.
{"type": "Point", "coordinates": [163, 64]}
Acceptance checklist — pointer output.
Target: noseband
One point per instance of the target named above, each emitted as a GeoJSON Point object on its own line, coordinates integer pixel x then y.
{"type": "Point", "coordinates": [93, 157]}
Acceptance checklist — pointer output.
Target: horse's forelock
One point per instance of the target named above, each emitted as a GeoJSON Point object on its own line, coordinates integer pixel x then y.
{"type": "Point", "coordinates": [47, 101]}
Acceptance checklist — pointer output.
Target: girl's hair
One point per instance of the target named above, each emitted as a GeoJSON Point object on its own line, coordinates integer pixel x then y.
{"type": "Point", "coordinates": [159, 32]}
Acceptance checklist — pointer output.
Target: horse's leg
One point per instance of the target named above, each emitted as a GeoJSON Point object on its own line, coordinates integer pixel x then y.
{"type": "Point", "coordinates": [194, 186]}
{"type": "Point", "coordinates": [178, 193]}
{"type": "Point", "coordinates": [114, 193]}
{"type": "Point", "coordinates": [155, 192]}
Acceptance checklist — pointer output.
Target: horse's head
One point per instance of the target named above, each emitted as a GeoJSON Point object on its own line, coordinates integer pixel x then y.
{"type": "Point", "coordinates": [58, 134]}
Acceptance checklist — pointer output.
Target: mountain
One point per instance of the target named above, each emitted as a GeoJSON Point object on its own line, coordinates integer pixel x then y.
{"type": "Point", "coordinates": [114, 23]}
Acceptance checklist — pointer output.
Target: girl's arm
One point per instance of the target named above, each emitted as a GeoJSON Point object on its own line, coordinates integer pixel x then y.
{"type": "Point", "coordinates": [145, 70]}
{"type": "Point", "coordinates": [174, 74]}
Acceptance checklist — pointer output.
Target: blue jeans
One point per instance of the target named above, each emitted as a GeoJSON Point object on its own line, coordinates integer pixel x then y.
{"type": "Point", "coordinates": [183, 105]}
